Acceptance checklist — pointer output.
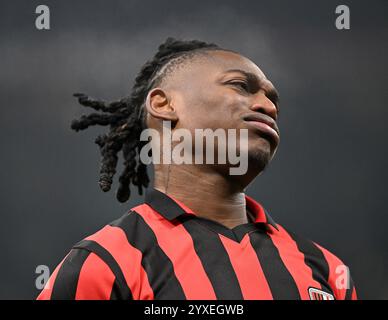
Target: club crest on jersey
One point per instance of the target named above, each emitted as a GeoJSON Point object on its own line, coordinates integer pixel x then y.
{"type": "Point", "coordinates": [316, 294]}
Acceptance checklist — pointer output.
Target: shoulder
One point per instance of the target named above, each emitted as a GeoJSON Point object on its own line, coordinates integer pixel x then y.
{"type": "Point", "coordinates": [104, 265]}
{"type": "Point", "coordinates": [85, 274]}
{"type": "Point", "coordinates": [325, 265]}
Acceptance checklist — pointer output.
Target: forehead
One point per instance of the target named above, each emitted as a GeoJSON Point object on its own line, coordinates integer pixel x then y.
{"type": "Point", "coordinates": [210, 65]}
{"type": "Point", "coordinates": [226, 60]}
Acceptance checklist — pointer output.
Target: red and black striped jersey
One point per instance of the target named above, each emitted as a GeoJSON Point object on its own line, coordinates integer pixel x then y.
{"type": "Point", "coordinates": [162, 250]}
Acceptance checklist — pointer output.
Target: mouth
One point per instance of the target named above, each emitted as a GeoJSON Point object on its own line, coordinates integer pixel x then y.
{"type": "Point", "coordinates": [264, 125]}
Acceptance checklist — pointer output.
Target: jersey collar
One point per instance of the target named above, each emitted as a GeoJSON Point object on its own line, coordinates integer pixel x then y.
{"type": "Point", "coordinates": [171, 208]}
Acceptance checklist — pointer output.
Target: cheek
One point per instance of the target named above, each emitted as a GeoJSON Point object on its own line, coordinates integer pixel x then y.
{"type": "Point", "coordinates": [207, 109]}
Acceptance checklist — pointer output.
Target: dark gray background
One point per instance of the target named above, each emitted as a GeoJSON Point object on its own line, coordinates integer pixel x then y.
{"type": "Point", "coordinates": [327, 182]}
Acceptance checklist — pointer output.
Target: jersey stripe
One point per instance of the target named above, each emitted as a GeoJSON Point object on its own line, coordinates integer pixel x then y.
{"type": "Point", "coordinates": [114, 240]}
{"type": "Point", "coordinates": [187, 266]}
{"type": "Point", "coordinates": [48, 288]}
{"type": "Point", "coordinates": [350, 291]}
{"type": "Point", "coordinates": [354, 294]}
{"type": "Point", "coordinates": [294, 261]}
{"type": "Point", "coordinates": [253, 283]}
{"type": "Point", "coordinates": [155, 262]}
{"type": "Point", "coordinates": [334, 262]}
{"type": "Point", "coordinates": [90, 245]}
{"type": "Point", "coordinates": [215, 260]}
{"type": "Point", "coordinates": [279, 279]}
{"type": "Point", "coordinates": [65, 285]}
{"type": "Point", "coordinates": [115, 293]}
{"type": "Point", "coordinates": [315, 259]}
{"type": "Point", "coordinates": [87, 287]}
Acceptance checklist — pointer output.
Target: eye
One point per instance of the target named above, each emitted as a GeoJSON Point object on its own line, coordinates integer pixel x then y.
{"type": "Point", "coordinates": [242, 85]}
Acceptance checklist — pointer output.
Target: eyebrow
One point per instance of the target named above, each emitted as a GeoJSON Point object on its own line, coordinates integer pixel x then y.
{"type": "Point", "coordinates": [270, 92]}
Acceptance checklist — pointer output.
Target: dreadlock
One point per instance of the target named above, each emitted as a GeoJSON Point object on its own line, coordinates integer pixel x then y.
{"type": "Point", "coordinates": [126, 117]}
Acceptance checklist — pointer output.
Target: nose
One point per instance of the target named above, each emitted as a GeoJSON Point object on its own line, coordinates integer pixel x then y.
{"type": "Point", "coordinates": [264, 105]}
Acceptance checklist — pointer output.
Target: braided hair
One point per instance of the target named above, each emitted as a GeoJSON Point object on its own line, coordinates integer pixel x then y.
{"type": "Point", "coordinates": [126, 117]}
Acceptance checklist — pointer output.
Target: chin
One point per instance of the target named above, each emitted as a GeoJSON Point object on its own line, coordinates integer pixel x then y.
{"type": "Point", "coordinates": [259, 159]}
{"type": "Point", "coordinates": [259, 155]}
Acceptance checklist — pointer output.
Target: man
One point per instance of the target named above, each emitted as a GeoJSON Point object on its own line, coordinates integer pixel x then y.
{"type": "Point", "coordinates": [197, 236]}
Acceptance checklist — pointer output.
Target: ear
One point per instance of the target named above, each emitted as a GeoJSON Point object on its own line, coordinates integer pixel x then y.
{"type": "Point", "coordinates": [158, 104]}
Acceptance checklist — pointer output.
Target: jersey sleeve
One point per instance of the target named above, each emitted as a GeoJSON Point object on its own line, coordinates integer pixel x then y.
{"type": "Point", "coordinates": [85, 274]}
{"type": "Point", "coordinates": [340, 279]}
{"type": "Point", "coordinates": [82, 275]}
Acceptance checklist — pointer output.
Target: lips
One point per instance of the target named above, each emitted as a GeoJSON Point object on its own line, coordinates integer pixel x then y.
{"type": "Point", "coordinates": [265, 124]}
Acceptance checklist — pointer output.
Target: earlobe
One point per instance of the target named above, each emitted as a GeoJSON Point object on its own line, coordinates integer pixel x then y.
{"type": "Point", "coordinates": [158, 105]}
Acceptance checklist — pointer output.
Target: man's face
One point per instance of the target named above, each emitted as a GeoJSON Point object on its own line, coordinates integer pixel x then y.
{"type": "Point", "coordinates": [212, 93]}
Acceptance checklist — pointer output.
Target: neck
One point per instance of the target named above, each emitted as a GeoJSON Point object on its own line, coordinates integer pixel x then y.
{"type": "Point", "coordinates": [208, 193]}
